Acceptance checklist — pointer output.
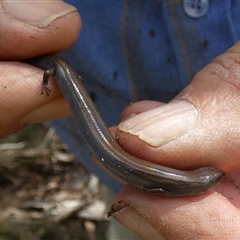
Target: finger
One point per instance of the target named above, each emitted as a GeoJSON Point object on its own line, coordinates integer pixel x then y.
{"type": "Point", "coordinates": [21, 102]}
{"type": "Point", "coordinates": [31, 28]}
{"type": "Point", "coordinates": [199, 127]}
{"type": "Point", "coordinates": [229, 187]}
{"type": "Point", "coordinates": [138, 107]}
{"type": "Point", "coordinates": [151, 216]}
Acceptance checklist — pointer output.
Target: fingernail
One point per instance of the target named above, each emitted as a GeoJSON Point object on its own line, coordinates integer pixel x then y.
{"type": "Point", "coordinates": [136, 223]}
{"type": "Point", "coordinates": [52, 110]}
{"type": "Point", "coordinates": [37, 13]}
{"type": "Point", "coordinates": [163, 124]}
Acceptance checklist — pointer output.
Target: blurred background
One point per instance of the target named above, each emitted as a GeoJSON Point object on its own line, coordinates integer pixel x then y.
{"type": "Point", "coordinates": [45, 193]}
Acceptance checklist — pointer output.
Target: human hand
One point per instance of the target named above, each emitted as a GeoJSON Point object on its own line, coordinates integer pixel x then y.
{"type": "Point", "coordinates": [200, 127]}
{"type": "Point", "coordinates": [28, 29]}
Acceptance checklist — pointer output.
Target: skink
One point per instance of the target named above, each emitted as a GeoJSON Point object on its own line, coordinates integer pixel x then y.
{"type": "Point", "coordinates": [142, 174]}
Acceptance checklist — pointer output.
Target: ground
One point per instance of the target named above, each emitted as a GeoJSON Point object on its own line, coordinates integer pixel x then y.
{"type": "Point", "coordinates": [44, 192]}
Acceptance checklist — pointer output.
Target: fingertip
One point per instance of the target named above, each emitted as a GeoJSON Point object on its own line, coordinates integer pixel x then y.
{"type": "Point", "coordinates": [136, 223]}
{"type": "Point", "coordinates": [172, 217]}
{"type": "Point", "coordinates": [37, 28]}
{"type": "Point", "coordinates": [20, 95]}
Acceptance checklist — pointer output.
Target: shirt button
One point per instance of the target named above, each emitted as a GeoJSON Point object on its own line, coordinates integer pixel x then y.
{"type": "Point", "coordinates": [195, 8]}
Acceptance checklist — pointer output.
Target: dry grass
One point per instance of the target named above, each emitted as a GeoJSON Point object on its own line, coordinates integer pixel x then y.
{"type": "Point", "coordinates": [43, 190]}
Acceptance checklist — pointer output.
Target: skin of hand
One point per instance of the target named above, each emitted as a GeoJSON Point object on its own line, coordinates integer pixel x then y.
{"type": "Point", "coordinates": [26, 33]}
{"type": "Point", "coordinates": [207, 133]}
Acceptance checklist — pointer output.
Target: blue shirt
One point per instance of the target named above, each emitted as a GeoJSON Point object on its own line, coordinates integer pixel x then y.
{"type": "Point", "coordinates": [133, 50]}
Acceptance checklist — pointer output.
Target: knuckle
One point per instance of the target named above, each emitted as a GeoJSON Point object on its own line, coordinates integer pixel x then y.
{"type": "Point", "coordinates": [227, 67]}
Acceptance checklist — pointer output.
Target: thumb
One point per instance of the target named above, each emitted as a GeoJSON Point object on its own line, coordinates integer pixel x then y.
{"type": "Point", "coordinates": [32, 28]}
{"type": "Point", "coordinates": [200, 127]}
